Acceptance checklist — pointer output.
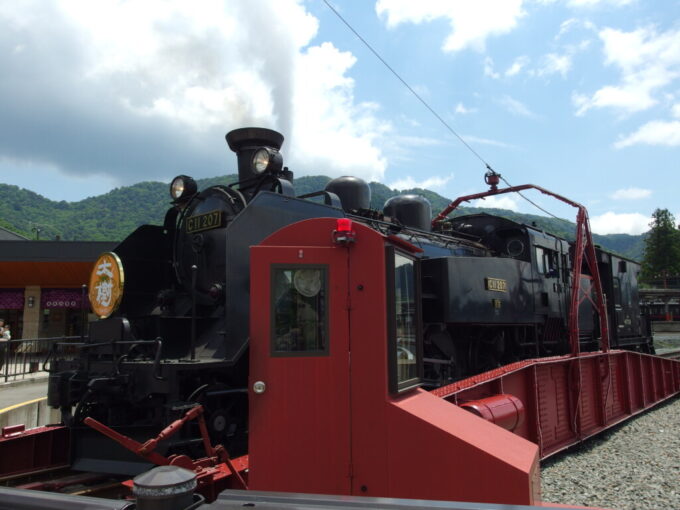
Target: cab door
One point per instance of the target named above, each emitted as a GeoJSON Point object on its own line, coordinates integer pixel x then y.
{"type": "Point", "coordinates": [299, 370]}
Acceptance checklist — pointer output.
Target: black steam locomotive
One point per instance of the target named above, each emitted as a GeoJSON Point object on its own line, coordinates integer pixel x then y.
{"type": "Point", "coordinates": [177, 333]}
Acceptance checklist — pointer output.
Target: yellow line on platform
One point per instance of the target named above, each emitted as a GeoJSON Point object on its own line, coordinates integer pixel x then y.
{"type": "Point", "coordinates": [22, 404]}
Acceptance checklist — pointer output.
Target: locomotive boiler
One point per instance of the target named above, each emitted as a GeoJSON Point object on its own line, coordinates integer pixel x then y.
{"type": "Point", "coordinates": [174, 303]}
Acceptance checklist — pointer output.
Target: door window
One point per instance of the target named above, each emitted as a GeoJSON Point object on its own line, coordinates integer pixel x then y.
{"type": "Point", "coordinates": [299, 310]}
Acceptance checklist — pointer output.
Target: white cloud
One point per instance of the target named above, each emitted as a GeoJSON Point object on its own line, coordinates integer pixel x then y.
{"type": "Point", "coordinates": [409, 121]}
{"type": "Point", "coordinates": [517, 65]}
{"type": "Point", "coordinates": [471, 22]}
{"type": "Point", "coordinates": [417, 141]}
{"type": "Point", "coordinates": [487, 141]}
{"type": "Point", "coordinates": [461, 109]}
{"type": "Point", "coordinates": [162, 81]}
{"type": "Point", "coordinates": [583, 45]}
{"type": "Point", "coordinates": [648, 62]}
{"type": "Point", "coordinates": [573, 23]}
{"type": "Point", "coordinates": [631, 194]}
{"type": "Point", "coordinates": [429, 183]}
{"type": "Point", "coordinates": [333, 132]}
{"type": "Point", "coordinates": [497, 202]}
{"type": "Point", "coordinates": [516, 107]}
{"type": "Point", "coordinates": [566, 26]}
{"type": "Point", "coordinates": [422, 89]}
{"type": "Point", "coordinates": [656, 132]}
{"type": "Point", "coordinates": [625, 223]}
{"type": "Point", "coordinates": [488, 69]}
{"type": "Point", "coordinates": [552, 63]}
{"type": "Point", "coordinates": [675, 110]}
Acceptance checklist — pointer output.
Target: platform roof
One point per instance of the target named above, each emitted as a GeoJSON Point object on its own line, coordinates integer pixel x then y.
{"type": "Point", "coordinates": [53, 251]}
{"type": "Point", "coordinates": [8, 235]}
{"type": "Point", "coordinates": [48, 263]}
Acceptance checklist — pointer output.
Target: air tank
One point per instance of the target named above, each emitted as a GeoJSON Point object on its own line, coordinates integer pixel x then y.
{"type": "Point", "coordinates": [354, 193]}
{"type": "Point", "coordinates": [410, 210]}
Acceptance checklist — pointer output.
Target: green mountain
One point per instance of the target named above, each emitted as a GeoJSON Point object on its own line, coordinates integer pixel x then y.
{"type": "Point", "coordinates": [110, 217]}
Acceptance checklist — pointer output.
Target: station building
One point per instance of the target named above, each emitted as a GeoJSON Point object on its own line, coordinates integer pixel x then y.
{"type": "Point", "coordinates": [41, 284]}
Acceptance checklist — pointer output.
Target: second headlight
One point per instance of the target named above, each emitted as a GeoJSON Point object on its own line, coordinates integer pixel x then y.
{"type": "Point", "coordinates": [266, 160]}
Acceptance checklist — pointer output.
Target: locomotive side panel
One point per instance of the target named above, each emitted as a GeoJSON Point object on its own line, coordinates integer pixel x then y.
{"type": "Point", "coordinates": [620, 285]}
{"type": "Point", "coordinates": [479, 290]}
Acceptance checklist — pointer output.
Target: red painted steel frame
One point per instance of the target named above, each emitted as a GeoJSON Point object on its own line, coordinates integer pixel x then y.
{"type": "Point", "coordinates": [568, 399]}
{"type": "Point", "coordinates": [37, 449]}
{"type": "Point", "coordinates": [583, 246]}
{"type": "Point", "coordinates": [215, 472]}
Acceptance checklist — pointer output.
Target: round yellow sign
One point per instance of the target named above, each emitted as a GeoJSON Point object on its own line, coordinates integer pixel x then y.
{"type": "Point", "coordinates": [106, 284]}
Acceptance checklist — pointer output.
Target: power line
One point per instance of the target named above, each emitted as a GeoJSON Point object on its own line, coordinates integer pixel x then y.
{"type": "Point", "coordinates": [426, 105]}
{"type": "Point", "coordinates": [529, 200]}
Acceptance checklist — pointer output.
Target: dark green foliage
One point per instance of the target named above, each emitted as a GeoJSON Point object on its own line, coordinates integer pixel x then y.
{"type": "Point", "coordinates": [112, 216]}
{"type": "Point", "coordinates": [12, 228]}
{"type": "Point", "coordinates": [662, 247]}
{"type": "Point", "coordinates": [625, 244]}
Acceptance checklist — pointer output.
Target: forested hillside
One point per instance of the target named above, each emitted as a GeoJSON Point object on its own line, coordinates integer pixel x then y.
{"type": "Point", "coordinates": [110, 217]}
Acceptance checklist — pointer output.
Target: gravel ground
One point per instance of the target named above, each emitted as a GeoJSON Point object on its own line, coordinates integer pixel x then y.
{"type": "Point", "coordinates": [636, 465]}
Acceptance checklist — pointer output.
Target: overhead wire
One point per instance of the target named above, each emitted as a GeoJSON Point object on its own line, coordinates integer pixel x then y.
{"type": "Point", "coordinates": [427, 106]}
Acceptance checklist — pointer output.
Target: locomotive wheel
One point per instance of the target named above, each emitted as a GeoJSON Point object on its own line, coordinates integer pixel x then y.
{"type": "Point", "coordinates": [218, 423]}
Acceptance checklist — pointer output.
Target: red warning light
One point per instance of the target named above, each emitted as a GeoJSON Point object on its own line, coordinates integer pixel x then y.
{"type": "Point", "coordinates": [343, 232]}
{"type": "Point", "coordinates": [344, 225]}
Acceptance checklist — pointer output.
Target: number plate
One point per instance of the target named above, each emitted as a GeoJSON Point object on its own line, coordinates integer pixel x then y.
{"type": "Point", "coordinates": [496, 284]}
{"type": "Point", "coordinates": [205, 221]}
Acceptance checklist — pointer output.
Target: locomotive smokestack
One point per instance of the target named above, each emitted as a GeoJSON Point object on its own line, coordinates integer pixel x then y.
{"type": "Point", "coordinates": [246, 141]}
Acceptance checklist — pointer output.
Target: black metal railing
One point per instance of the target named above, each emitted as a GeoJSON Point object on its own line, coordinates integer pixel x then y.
{"type": "Point", "coordinates": [20, 359]}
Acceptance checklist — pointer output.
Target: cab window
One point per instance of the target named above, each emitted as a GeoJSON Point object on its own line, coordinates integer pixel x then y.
{"type": "Point", "coordinates": [299, 310]}
{"type": "Point", "coordinates": [540, 260]}
{"type": "Point", "coordinates": [403, 317]}
{"type": "Point", "coordinates": [546, 262]}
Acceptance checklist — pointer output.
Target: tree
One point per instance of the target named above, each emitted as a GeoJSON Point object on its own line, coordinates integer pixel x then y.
{"type": "Point", "coordinates": [662, 248]}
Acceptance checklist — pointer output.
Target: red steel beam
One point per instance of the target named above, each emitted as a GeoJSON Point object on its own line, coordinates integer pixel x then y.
{"type": "Point", "coordinates": [37, 449]}
{"type": "Point", "coordinates": [612, 387]}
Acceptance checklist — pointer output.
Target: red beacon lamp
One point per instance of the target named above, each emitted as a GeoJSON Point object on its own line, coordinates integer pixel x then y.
{"type": "Point", "coordinates": [343, 233]}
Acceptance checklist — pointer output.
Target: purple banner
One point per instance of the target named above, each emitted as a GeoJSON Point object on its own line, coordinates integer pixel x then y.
{"type": "Point", "coordinates": [62, 298]}
{"type": "Point", "coordinates": [11, 299]}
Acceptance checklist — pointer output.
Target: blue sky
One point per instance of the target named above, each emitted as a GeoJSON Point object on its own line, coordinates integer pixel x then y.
{"type": "Point", "coordinates": [578, 96]}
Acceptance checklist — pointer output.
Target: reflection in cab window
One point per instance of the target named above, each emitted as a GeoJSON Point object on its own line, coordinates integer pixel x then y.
{"type": "Point", "coordinates": [299, 310]}
{"type": "Point", "coordinates": [405, 302]}
{"type": "Point", "coordinates": [540, 260]}
{"type": "Point", "coordinates": [546, 262]}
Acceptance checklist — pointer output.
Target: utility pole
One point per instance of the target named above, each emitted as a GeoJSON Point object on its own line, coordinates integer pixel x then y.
{"type": "Point", "coordinates": [40, 227]}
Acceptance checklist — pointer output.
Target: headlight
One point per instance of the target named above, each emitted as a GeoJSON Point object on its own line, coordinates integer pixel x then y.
{"type": "Point", "coordinates": [182, 187]}
{"type": "Point", "coordinates": [260, 160]}
{"type": "Point", "coordinates": [266, 160]}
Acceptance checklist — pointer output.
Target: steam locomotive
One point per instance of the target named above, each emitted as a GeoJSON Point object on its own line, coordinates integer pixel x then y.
{"type": "Point", "coordinates": [174, 302]}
